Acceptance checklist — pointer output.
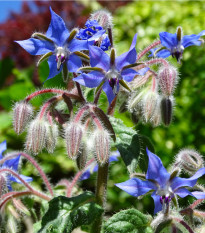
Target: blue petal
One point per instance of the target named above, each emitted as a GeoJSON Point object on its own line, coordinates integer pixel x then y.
{"type": "Point", "coordinates": [78, 45]}
{"type": "Point", "coordinates": [105, 44]}
{"type": "Point", "coordinates": [85, 175]}
{"type": "Point", "coordinates": [199, 195]}
{"type": "Point", "coordinates": [95, 169]}
{"type": "Point", "coordinates": [168, 40]}
{"type": "Point", "coordinates": [179, 182]}
{"type": "Point", "coordinates": [57, 30]}
{"type": "Point", "coordinates": [114, 157]}
{"type": "Point", "coordinates": [136, 187]}
{"type": "Point", "coordinates": [53, 67]}
{"type": "Point", "coordinates": [162, 53]}
{"type": "Point", "coordinates": [182, 192]}
{"type": "Point", "coordinates": [193, 39]}
{"type": "Point", "coordinates": [2, 148]}
{"type": "Point", "coordinates": [25, 178]}
{"type": "Point", "coordinates": [12, 163]}
{"type": "Point", "coordinates": [97, 35]}
{"type": "Point", "coordinates": [109, 92]}
{"type": "Point", "coordinates": [99, 58]}
{"type": "Point", "coordinates": [156, 171]}
{"type": "Point", "coordinates": [73, 63]}
{"type": "Point", "coordinates": [129, 74]}
{"type": "Point", "coordinates": [93, 79]}
{"type": "Point", "coordinates": [143, 71]}
{"type": "Point", "coordinates": [35, 46]}
{"type": "Point", "coordinates": [157, 203]}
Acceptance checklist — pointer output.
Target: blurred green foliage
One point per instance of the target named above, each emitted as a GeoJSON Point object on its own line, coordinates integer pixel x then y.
{"type": "Point", "coordinates": [148, 18]}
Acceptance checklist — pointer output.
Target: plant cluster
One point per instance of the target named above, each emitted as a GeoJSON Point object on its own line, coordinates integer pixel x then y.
{"type": "Point", "coordinates": [142, 84]}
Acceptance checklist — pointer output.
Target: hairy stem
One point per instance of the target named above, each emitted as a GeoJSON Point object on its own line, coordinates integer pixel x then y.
{"type": "Point", "coordinates": [184, 224]}
{"type": "Point", "coordinates": [146, 50]}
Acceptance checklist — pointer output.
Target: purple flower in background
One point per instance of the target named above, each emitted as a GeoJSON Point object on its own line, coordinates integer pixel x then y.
{"type": "Point", "coordinates": [58, 45]}
{"type": "Point", "coordinates": [11, 164]}
{"type": "Point", "coordinates": [94, 32]}
{"type": "Point", "coordinates": [163, 185]}
{"type": "Point", "coordinates": [174, 44]}
{"type": "Point", "coordinates": [109, 71]}
{"type": "Point", "coordinates": [94, 166]}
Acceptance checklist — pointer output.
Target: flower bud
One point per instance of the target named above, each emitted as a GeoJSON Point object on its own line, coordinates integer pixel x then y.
{"type": "Point", "coordinates": [73, 137]}
{"type": "Point", "coordinates": [103, 17]}
{"type": "Point", "coordinates": [135, 100]}
{"type": "Point", "coordinates": [51, 137]}
{"type": "Point", "coordinates": [150, 104]}
{"type": "Point", "coordinates": [167, 77]}
{"type": "Point", "coordinates": [102, 146]}
{"type": "Point", "coordinates": [166, 110]}
{"type": "Point", "coordinates": [2, 184]}
{"type": "Point", "coordinates": [22, 114]}
{"type": "Point", "coordinates": [189, 160]}
{"type": "Point", "coordinates": [36, 137]}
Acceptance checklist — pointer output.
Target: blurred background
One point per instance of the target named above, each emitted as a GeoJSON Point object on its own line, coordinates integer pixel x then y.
{"type": "Point", "coordinates": [19, 77]}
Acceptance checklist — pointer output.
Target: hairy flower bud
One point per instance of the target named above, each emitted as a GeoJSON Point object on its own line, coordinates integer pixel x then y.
{"type": "Point", "coordinates": [82, 156]}
{"type": "Point", "coordinates": [150, 104]}
{"type": "Point", "coordinates": [51, 137]}
{"type": "Point", "coordinates": [167, 77]}
{"type": "Point", "coordinates": [135, 100]}
{"type": "Point", "coordinates": [189, 160]}
{"type": "Point", "coordinates": [102, 146]}
{"type": "Point", "coordinates": [36, 137]}
{"type": "Point", "coordinates": [73, 137]}
{"type": "Point", "coordinates": [166, 106]}
{"type": "Point", "coordinates": [103, 17]}
{"type": "Point", "coordinates": [22, 114]}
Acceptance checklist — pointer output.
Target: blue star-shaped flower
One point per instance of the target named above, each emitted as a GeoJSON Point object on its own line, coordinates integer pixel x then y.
{"type": "Point", "coordinates": [176, 43]}
{"type": "Point", "coordinates": [94, 166]}
{"type": "Point", "coordinates": [94, 32]}
{"type": "Point", "coordinates": [57, 44]}
{"type": "Point", "coordinates": [12, 164]}
{"type": "Point", "coordinates": [165, 186]}
{"type": "Point", "coordinates": [110, 70]}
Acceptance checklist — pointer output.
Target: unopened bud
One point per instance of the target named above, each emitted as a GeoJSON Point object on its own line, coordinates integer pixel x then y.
{"type": "Point", "coordinates": [166, 110]}
{"type": "Point", "coordinates": [36, 137]}
{"type": "Point", "coordinates": [150, 104]}
{"type": "Point", "coordinates": [103, 17]}
{"type": "Point", "coordinates": [2, 184]}
{"type": "Point", "coordinates": [51, 137]}
{"type": "Point", "coordinates": [11, 225]}
{"type": "Point", "coordinates": [101, 146]}
{"type": "Point", "coordinates": [82, 156]}
{"type": "Point", "coordinates": [156, 119]}
{"type": "Point", "coordinates": [167, 77]}
{"type": "Point", "coordinates": [189, 160]}
{"type": "Point", "coordinates": [22, 114]}
{"type": "Point", "coordinates": [73, 137]}
{"type": "Point", "coordinates": [135, 100]}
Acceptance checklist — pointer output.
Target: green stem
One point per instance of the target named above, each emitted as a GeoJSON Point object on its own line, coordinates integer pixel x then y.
{"type": "Point", "coordinates": [101, 193]}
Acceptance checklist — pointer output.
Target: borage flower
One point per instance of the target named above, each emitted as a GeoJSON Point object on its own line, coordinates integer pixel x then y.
{"type": "Point", "coordinates": [58, 45]}
{"type": "Point", "coordinates": [109, 72]}
{"type": "Point", "coordinates": [174, 44]}
{"type": "Point", "coordinates": [94, 166]}
{"type": "Point", "coordinates": [11, 164]}
{"type": "Point", "coordinates": [94, 32]}
{"type": "Point", "coordinates": [164, 185]}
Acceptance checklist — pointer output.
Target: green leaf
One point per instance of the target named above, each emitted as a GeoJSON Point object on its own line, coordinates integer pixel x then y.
{"type": "Point", "coordinates": [127, 143]}
{"type": "Point", "coordinates": [65, 214]}
{"type": "Point", "coordinates": [131, 220]}
{"type": "Point", "coordinates": [6, 66]}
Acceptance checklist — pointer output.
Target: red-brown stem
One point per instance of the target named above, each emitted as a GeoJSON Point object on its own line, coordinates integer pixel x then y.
{"type": "Point", "coordinates": [76, 178]}
{"type": "Point", "coordinates": [80, 113]}
{"type": "Point", "coordinates": [35, 164]}
{"type": "Point", "coordinates": [49, 117]}
{"type": "Point", "coordinates": [199, 214]}
{"type": "Point", "coordinates": [53, 91]}
{"type": "Point", "coordinates": [97, 96]}
{"type": "Point", "coordinates": [48, 104]}
{"type": "Point", "coordinates": [184, 224]}
{"type": "Point", "coordinates": [157, 61]}
{"type": "Point", "coordinates": [12, 195]}
{"type": "Point", "coordinates": [147, 49]}
{"type": "Point", "coordinates": [64, 182]}
{"type": "Point", "coordinates": [196, 203]}
{"type": "Point", "coordinates": [80, 91]}
{"type": "Point", "coordinates": [153, 84]}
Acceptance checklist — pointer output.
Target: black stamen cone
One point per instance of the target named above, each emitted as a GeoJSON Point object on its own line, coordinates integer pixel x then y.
{"type": "Point", "coordinates": [166, 111]}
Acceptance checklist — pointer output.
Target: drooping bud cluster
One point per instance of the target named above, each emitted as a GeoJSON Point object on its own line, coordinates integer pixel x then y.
{"type": "Point", "coordinates": [22, 114]}
{"type": "Point", "coordinates": [51, 137]}
{"type": "Point", "coordinates": [189, 160]}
